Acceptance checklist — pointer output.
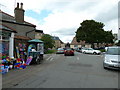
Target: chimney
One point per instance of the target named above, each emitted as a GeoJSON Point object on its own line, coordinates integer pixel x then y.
{"type": "Point", "coordinates": [21, 5]}
{"type": "Point", "coordinates": [19, 13]}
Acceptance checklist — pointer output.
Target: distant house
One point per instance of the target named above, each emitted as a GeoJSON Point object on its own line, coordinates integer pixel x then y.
{"type": "Point", "coordinates": [38, 34]}
{"type": "Point", "coordinates": [75, 44]}
{"type": "Point", "coordinates": [25, 30]}
{"type": "Point", "coordinates": [58, 42]}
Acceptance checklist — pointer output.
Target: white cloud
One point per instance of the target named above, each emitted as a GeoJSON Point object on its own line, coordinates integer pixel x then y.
{"type": "Point", "coordinates": [32, 20]}
{"type": "Point", "coordinates": [112, 25]}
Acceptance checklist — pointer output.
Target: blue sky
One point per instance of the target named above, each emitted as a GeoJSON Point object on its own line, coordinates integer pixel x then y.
{"type": "Point", "coordinates": [39, 16]}
{"type": "Point", "coordinates": [62, 17]}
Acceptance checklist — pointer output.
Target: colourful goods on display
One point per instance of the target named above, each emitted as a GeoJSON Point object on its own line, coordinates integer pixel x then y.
{"type": "Point", "coordinates": [19, 64]}
{"type": "Point", "coordinates": [30, 48]}
{"type": "Point", "coordinates": [3, 68]}
{"type": "Point", "coordinates": [29, 60]}
{"type": "Point", "coordinates": [7, 63]}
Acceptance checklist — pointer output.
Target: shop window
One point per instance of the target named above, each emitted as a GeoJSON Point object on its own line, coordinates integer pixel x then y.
{"type": "Point", "coordinates": [4, 48]}
{"type": "Point", "coordinates": [5, 36]}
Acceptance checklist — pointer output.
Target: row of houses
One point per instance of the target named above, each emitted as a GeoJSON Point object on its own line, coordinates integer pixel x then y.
{"type": "Point", "coordinates": [74, 44]}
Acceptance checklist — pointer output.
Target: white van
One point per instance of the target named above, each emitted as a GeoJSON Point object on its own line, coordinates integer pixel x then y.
{"type": "Point", "coordinates": [112, 58]}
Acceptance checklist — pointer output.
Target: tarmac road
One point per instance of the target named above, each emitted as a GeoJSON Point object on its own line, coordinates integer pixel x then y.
{"type": "Point", "coordinates": [59, 71]}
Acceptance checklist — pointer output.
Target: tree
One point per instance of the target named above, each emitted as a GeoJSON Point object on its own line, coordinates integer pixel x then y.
{"type": "Point", "coordinates": [48, 41]}
{"type": "Point", "coordinates": [109, 37]}
{"type": "Point", "coordinates": [67, 45]}
{"type": "Point", "coordinates": [93, 32]}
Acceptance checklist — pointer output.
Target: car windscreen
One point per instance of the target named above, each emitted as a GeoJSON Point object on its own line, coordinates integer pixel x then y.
{"type": "Point", "coordinates": [113, 51]}
{"type": "Point", "coordinates": [69, 49]}
{"type": "Point", "coordinates": [60, 49]}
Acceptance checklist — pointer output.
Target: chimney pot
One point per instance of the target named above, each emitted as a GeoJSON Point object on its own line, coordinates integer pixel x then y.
{"type": "Point", "coordinates": [21, 5]}
{"type": "Point", "coordinates": [17, 5]}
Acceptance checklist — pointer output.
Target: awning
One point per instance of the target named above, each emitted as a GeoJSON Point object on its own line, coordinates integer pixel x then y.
{"type": "Point", "coordinates": [36, 40]}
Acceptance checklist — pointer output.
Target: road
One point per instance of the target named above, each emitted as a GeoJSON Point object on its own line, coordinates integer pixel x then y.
{"type": "Point", "coordinates": [59, 71]}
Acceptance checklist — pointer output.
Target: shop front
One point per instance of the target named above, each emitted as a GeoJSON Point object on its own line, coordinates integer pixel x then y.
{"type": "Point", "coordinates": [7, 47]}
{"type": "Point", "coordinates": [6, 43]}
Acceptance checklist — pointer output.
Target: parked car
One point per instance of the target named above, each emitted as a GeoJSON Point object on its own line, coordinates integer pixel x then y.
{"type": "Point", "coordinates": [112, 58]}
{"type": "Point", "coordinates": [90, 51]}
{"type": "Point", "coordinates": [60, 51]}
{"type": "Point", "coordinates": [69, 51]}
{"type": "Point", "coordinates": [78, 49]}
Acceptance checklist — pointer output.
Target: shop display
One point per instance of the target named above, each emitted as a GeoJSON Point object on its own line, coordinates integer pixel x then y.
{"type": "Point", "coordinates": [29, 60]}
{"type": "Point", "coordinates": [23, 55]}
{"type": "Point", "coordinates": [7, 63]}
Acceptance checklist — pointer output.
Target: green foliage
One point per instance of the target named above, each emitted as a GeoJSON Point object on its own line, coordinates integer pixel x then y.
{"type": "Point", "coordinates": [108, 37]}
{"type": "Point", "coordinates": [102, 50]}
{"type": "Point", "coordinates": [93, 32]}
{"type": "Point", "coordinates": [50, 51]}
{"type": "Point", "coordinates": [48, 41]}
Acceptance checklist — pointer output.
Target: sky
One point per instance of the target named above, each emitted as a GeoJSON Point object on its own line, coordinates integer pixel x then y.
{"type": "Point", "coordinates": [62, 17]}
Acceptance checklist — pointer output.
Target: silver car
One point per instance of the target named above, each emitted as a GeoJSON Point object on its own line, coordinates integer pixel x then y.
{"type": "Point", "coordinates": [112, 58]}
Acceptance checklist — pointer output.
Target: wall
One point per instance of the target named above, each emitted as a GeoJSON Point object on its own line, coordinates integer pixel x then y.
{"type": "Point", "coordinates": [21, 29]}
{"type": "Point", "coordinates": [88, 45]}
{"type": "Point", "coordinates": [57, 44]}
{"type": "Point", "coordinates": [62, 45]}
{"type": "Point", "coordinates": [38, 35]}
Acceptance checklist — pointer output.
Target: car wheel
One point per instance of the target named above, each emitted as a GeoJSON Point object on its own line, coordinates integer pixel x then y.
{"type": "Point", "coordinates": [37, 61]}
{"type": "Point", "coordinates": [104, 66]}
{"type": "Point", "coordinates": [95, 53]}
{"type": "Point", "coordinates": [84, 52]}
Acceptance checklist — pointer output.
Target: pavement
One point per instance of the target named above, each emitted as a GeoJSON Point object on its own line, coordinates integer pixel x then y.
{"type": "Point", "coordinates": [59, 71]}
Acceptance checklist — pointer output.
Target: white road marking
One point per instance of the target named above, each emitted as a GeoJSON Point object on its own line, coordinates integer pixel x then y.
{"type": "Point", "coordinates": [78, 58]}
{"type": "Point", "coordinates": [48, 58]}
{"type": "Point", "coordinates": [51, 59]}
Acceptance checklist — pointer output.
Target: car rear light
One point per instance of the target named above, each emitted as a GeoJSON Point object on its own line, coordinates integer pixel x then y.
{"type": "Point", "coordinates": [72, 51]}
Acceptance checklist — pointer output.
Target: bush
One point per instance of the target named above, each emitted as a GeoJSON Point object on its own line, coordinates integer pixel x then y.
{"type": "Point", "coordinates": [102, 50]}
{"type": "Point", "coordinates": [50, 51]}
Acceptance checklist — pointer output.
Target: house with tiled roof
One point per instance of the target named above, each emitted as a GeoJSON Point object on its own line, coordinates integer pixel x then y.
{"type": "Point", "coordinates": [75, 44]}
{"type": "Point", "coordinates": [17, 22]}
{"type": "Point", "coordinates": [58, 42]}
{"type": "Point", "coordinates": [24, 30]}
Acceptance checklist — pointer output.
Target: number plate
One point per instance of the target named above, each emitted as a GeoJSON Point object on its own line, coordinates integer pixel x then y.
{"type": "Point", "coordinates": [116, 65]}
